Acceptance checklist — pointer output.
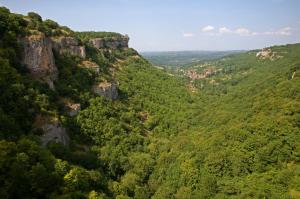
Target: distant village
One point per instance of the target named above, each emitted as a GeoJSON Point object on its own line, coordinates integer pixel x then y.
{"type": "Point", "coordinates": [194, 74]}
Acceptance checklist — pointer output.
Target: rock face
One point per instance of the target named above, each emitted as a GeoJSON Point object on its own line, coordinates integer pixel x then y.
{"type": "Point", "coordinates": [52, 130]}
{"type": "Point", "coordinates": [106, 89]}
{"type": "Point", "coordinates": [91, 65]}
{"type": "Point", "coordinates": [68, 45]}
{"type": "Point", "coordinates": [39, 59]}
{"type": "Point", "coordinates": [193, 74]}
{"type": "Point", "coordinates": [110, 42]}
{"type": "Point", "coordinates": [73, 109]}
{"type": "Point", "coordinates": [38, 55]}
{"type": "Point", "coordinates": [267, 53]}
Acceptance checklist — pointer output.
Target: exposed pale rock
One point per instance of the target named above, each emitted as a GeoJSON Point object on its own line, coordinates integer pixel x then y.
{"type": "Point", "coordinates": [91, 65]}
{"type": "Point", "coordinates": [110, 42]}
{"type": "Point", "coordinates": [73, 109]}
{"type": "Point", "coordinates": [106, 89]}
{"type": "Point", "coordinates": [193, 74]}
{"type": "Point", "coordinates": [98, 42]}
{"type": "Point", "coordinates": [38, 56]}
{"type": "Point", "coordinates": [267, 53]}
{"type": "Point", "coordinates": [39, 59]}
{"type": "Point", "coordinates": [52, 130]}
{"type": "Point", "coordinates": [68, 45]}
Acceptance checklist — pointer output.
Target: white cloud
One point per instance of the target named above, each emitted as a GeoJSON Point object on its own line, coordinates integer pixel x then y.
{"type": "Point", "coordinates": [284, 31]}
{"type": "Point", "coordinates": [223, 30]}
{"type": "Point", "coordinates": [242, 31]}
{"type": "Point", "coordinates": [208, 28]}
{"type": "Point", "coordinates": [255, 33]}
{"type": "Point", "coordinates": [188, 34]}
{"type": "Point", "coordinates": [281, 32]}
{"type": "Point", "coordinates": [267, 33]}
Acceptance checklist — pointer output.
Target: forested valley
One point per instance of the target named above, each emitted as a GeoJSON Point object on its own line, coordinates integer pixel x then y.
{"type": "Point", "coordinates": [100, 121]}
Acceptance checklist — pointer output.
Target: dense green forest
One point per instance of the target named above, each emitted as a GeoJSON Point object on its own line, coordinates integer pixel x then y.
{"type": "Point", "coordinates": [234, 134]}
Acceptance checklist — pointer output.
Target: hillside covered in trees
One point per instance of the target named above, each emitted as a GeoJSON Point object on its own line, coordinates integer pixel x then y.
{"type": "Point", "coordinates": [84, 116]}
{"type": "Point", "coordinates": [174, 59]}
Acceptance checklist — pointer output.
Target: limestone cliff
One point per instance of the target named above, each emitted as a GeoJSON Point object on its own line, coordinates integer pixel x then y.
{"type": "Point", "coordinates": [267, 53]}
{"type": "Point", "coordinates": [68, 45]}
{"type": "Point", "coordinates": [38, 55]}
{"type": "Point", "coordinates": [90, 65]}
{"type": "Point", "coordinates": [107, 90]}
{"type": "Point", "coordinates": [110, 42]}
{"type": "Point", "coordinates": [52, 130]}
{"type": "Point", "coordinates": [38, 58]}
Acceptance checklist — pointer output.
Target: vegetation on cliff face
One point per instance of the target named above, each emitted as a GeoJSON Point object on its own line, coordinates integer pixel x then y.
{"type": "Point", "coordinates": [235, 135]}
{"type": "Point", "coordinates": [87, 35]}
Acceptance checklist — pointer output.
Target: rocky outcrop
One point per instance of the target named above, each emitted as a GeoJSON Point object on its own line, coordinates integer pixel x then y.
{"type": "Point", "coordinates": [267, 53]}
{"type": "Point", "coordinates": [68, 45]}
{"type": "Point", "coordinates": [90, 65]}
{"type": "Point", "coordinates": [38, 58]}
{"type": "Point", "coordinates": [69, 107]}
{"type": "Point", "coordinates": [193, 74]}
{"type": "Point", "coordinates": [107, 90]}
{"type": "Point", "coordinates": [52, 130]}
{"type": "Point", "coordinates": [73, 109]}
{"type": "Point", "coordinates": [110, 42]}
{"type": "Point", "coordinates": [38, 55]}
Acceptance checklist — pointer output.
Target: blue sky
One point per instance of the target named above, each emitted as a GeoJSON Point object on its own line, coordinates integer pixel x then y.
{"type": "Point", "coordinates": [160, 25]}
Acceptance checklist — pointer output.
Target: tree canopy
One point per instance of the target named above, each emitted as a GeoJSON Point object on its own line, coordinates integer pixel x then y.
{"type": "Point", "coordinates": [233, 134]}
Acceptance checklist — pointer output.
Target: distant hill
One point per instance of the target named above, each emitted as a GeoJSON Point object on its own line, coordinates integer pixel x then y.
{"type": "Point", "coordinates": [180, 58]}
